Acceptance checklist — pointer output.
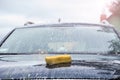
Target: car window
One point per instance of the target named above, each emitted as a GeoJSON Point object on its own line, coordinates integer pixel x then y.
{"type": "Point", "coordinates": [91, 39]}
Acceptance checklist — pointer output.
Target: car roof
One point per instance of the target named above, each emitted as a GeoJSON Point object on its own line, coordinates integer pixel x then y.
{"type": "Point", "coordinates": [65, 25]}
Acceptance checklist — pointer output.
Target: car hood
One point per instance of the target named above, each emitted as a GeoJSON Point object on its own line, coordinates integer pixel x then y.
{"type": "Point", "coordinates": [13, 67]}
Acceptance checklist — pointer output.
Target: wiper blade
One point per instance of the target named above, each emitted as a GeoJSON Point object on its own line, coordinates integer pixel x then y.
{"type": "Point", "coordinates": [17, 53]}
{"type": "Point", "coordinates": [25, 53]}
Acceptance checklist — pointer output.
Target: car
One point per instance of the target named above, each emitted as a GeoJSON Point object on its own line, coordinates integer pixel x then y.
{"type": "Point", "coordinates": [61, 51]}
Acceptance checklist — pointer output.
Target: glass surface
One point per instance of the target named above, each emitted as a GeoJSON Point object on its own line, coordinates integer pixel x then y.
{"type": "Point", "coordinates": [86, 39]}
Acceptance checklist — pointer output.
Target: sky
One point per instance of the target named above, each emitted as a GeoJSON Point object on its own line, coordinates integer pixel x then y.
{"type": "Point", "coordinates": [14, 13]}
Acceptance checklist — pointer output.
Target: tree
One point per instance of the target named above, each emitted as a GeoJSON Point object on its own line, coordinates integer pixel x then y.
{"type": "Point", "coordinates": [114, 7]}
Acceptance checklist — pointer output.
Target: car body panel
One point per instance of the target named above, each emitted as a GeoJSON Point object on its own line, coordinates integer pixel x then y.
{"type": "Point", "coordinates": [94, 66]}
{"type": "Point", "coordinates": [16, 68]}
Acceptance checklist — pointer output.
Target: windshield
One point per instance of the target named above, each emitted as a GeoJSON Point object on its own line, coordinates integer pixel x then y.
{"type": "Point", "coordinates": [86, 39]}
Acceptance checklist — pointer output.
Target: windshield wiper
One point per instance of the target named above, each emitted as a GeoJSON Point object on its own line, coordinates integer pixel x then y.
{"type": "Point", "coordinates": [38, 52]}
{"type": "Point", "coordinates": [114, 53]}
{"type": "Point", "coordinates": [17, 53]}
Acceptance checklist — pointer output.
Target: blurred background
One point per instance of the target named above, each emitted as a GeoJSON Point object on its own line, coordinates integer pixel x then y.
{"type": "Point", "coordinates": [15, 13]}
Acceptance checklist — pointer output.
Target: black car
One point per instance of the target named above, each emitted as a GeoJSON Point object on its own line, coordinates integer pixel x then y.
{"type": "Point", "coordinates": [94, 51]}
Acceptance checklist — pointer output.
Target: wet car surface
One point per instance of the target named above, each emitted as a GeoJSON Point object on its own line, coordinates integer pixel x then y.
{"type": "Point", "coordinates": [25, 62]}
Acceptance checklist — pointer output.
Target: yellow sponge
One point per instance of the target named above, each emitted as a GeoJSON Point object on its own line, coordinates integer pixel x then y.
{"type": "Point", "coordinates": [50, 60]}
